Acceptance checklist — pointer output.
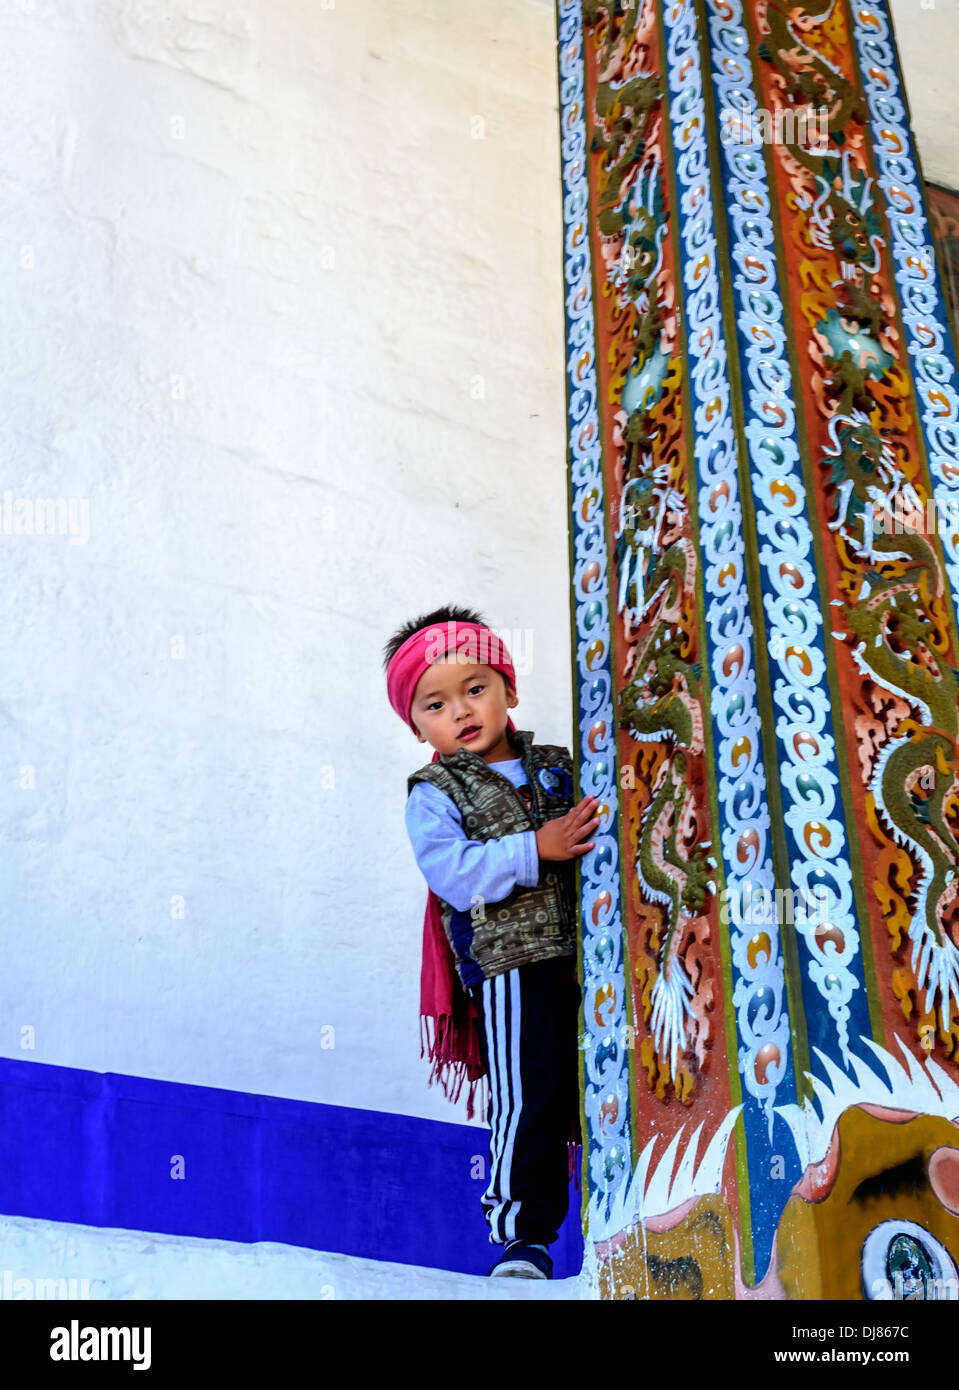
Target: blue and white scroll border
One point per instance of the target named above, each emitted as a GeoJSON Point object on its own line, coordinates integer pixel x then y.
{"type": "Point", "coordinates": [914, 262]}
{"type": "Point", "coordinates": [759, 985]}
{"type": "Point", "coordinates": [734, 705]}
{"type": "Point", "coordinates": [606, 1062]}
{"type": "Point", "coordinates": [793, 615]}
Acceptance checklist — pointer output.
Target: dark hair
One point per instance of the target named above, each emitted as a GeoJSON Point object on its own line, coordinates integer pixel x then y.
{"type": "Point", "coordinates": [438, 618]}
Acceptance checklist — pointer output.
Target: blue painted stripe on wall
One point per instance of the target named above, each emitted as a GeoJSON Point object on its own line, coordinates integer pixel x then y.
{"type": "Point", "coordinates": [97, 1148]}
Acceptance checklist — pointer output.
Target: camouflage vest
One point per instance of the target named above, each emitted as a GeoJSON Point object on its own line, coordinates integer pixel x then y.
{"type": "Point", "coordinates": [530, 924]}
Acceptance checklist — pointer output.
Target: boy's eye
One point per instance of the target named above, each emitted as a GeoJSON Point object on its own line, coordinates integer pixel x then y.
{"type": "Point", "coordinates": [435, 704]}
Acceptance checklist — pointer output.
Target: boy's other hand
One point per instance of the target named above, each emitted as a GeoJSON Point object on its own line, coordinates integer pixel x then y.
{"type": "Point", "coordinates": [563, 837]}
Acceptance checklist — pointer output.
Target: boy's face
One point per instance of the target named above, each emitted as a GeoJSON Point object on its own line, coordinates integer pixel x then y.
{"type": "Point", "coordinates": [463, 706]}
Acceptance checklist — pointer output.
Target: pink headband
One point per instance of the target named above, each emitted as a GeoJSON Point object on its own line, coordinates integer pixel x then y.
{"type": "Point", "coordinates": [472, 642]}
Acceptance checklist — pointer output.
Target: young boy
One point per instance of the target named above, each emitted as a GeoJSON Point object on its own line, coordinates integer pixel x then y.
{"type": "Point", "coordinates": [494, 832]}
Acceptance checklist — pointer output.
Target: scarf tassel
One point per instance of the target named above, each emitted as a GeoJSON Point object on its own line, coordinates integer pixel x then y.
{"type": "Point", "coordinates": [450, 1070]}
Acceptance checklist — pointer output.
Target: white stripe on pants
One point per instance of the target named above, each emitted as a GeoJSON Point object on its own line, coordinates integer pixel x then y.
{"type": "Point", "coordinates": [502, 1043]}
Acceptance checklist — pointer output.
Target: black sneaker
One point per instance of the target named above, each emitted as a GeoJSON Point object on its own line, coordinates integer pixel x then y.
{"type": "Point", "coordinates": [521, 1260]}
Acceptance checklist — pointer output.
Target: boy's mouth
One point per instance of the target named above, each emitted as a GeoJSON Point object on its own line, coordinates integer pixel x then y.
{"type": "Point", "coordinates": [470, 732]}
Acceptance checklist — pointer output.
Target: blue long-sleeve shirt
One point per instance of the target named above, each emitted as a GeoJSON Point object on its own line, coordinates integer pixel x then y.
{"type": "Point", "coordinates": [458, 869]}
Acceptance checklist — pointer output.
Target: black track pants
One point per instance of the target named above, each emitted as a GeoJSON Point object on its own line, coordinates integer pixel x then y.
{"type": "Point", "coordinates": [528, 1031]}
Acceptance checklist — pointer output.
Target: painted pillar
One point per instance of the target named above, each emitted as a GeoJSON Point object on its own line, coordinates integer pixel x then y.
{"type": "Point", "coordinates": [764, 501]}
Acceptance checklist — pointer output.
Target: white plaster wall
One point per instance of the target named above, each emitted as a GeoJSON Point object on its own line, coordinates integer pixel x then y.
{"type": "Point", "coordinates": [927, 35]}
{"type": "Point", "coordinates": [293, 333]}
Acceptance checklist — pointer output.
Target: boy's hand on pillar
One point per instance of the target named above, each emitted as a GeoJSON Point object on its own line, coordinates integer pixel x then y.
{"type": "Point", "coordinates": [563, 837]}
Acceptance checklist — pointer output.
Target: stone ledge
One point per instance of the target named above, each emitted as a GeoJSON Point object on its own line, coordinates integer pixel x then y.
{"type": "Point", "coordinates": [119, 1264]}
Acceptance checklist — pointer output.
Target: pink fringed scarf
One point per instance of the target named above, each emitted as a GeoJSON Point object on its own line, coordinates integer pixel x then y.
{"type": "Point", "coordinates": [453, 1041]}
{"type": "Point", "coordinates": [449, 1020]}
